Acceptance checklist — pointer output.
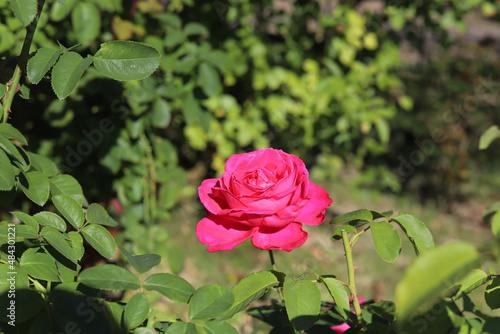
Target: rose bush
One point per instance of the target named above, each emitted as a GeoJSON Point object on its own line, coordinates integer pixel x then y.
{"type": "Point", "coordinates": [264, 195]}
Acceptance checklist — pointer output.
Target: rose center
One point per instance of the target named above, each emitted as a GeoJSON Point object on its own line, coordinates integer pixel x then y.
{"type": "Point", "coordinates": [258, 178]}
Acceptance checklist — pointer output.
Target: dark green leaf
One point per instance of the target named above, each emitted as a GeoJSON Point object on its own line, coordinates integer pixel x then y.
{"type": "Point", "coordinates": [417, 232]}
{"type": "Point", "coordinates": [56, 240]}
{"type": "Point", "coordinates": [136, 311]}
{"type": "Point", "coordinates": [361, 214]}
{"type": "Point", "coordinates": [36, 186]}
{"type": "Point", "coordinates": [47, 218]}
{"type": "Point", "coordinates": [126, 60]}
{"type": "Point", "coordinates": [209, 302]}
{"type": "Point", "coordinates": [70, 209]}
{"type": "Point", "coordinates": [387, 240]}
{"type": "Point", "coordinates": [339, 294]}
{"type": "Point", "coordinates": [11, 132]}
{"type": "Point", "coordinates": [209, 78]}
{"type": "Point", "coordinates": [100, 239]}
{"type": "Point", "coordinates": [109, 277]}
{"type": "Point", "coordinates": [302, 302]}
{"type": "Point", "coordinates": [385, 309]}
{"type": "Point", "coordinates": [86, 20]}
{"type": "Point", "coordinates": [14, 151]}
{"type": "Point", "coordinates": [28, 304]}
{"type": "Point", "coordinates": [142, 263]}
{"type": "Point", "coordinates": [67, 73]}
{"type": "Point", "coordinates": [39, 265]}
{"type": "Point", "coordinates": [492, 293]}
{"type": "Point", "coordinates": [431, 274]}
{"type": "Point", "coordinates": [68, 185]}
{"type": "Point", "coordinates": [171, 286]}
{"type": "Point", "coordinates": [7, 176]}
{"type": "Point", "coordinates": [25, 10]}
{"type": "Point", "coordinates": [27, 219]}
{"type": "Point", "coordinates": [41, 62]}
{"type": "Point", "coordinates": [96, 214]}
{"type": "Point", "coordinates": [250, 289]}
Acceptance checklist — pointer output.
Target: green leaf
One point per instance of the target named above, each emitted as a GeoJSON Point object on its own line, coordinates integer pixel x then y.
{"type": "Point", "coordinates": [472, 281]}
{"type": "Point", "coordinates": [47, 218]}
{"type": "Point", "coordinates": [77, 243]}
{"type": "Point", "coordinates": [195, 28]}
{"type": "Point", "coordinates": [100, 239]}
{"type": "Point", "coordinates": [41, 63]}
{"type": "Point", "coordinates": [7, 176]}
{"type": "Point", "coordinates": [39, 265]}
{"type": "Point", "coordinates": [492, 293]}
{"type": "Point", "coordinates": [361, 214]}
{"type": "Point", "coordinates": [144, 330]}
{"type": "Point", "coordinates": [36, 186]}
{"type": "Point", "coordinates": [209, 302]}
{"type": "Point", "coordinates": [171, 286]}
{"type": "Point", "coordinates": [142, 263]}
{"type": "Point", "coordinates": [126, 60]}
{"type": "Point", "coordinates": [175, 258]}
{"type": "Point", "coordinates": [181, 327]}
{"type": "Point", "coordinates": [21, 278]}
{"type": "Point", "coordinates": [431, 274]}
{"type": "Point", "coordinates": [61, 9]}
{"type": "Point", "coordinates": [495, 224]}
{"type": "Point", "coordinates": [488, 137]}
{"type": "Point", "coordinates": [43, 164]}
{"type": "Point", "coordinates": [302, 302]}
{"type": "Point", "coordinates": [387, 240]}
{"type": "Point", "coordinates": [337, 233]}
{"type": "Point", "coordinates": [56, 240]}
{"type": "Point", "coordinates": [28, 304]}
{"type": "Point", "coordinates": [209, 80]}
{"type": "Point", "coordinates": [191, 109]}
{"type": "Point", "coordinates": [25, 10]}
{"type": "Point", "coordinates": [250, 289]}
{"type": "Point", "coordinates": [27, 219]}
{"type": "Point", "coordinates": [67, 73]}
{"type": "Point", "coordinates": [161, 115]}
{"type": "Point", "coordinates": [22, 231]}
{"type": "Point", "coordinates": [70, 209]}
{"type": "Point", "coordinates": [11, 132]}
{"type": "Point", "coordinates": [14, 151]}
{"type": "Point", "coordinates": [490, 211]}
{"type": "Point", "coordinates": [218, 327]}
{"type": "Point", "coordinates": [86, 20]}
{"type": "Point", "coordinates": [96, 214]}
{"type": "Point", "coordinates": [417, 232]}
{"type": "Point", "coordinates": [109, 277]}
{"type": "Point", "coordinates": [136, 311]}
{"type": "Point", "coordinates": [339, 294]}
{"type": "Point", "coordinates": [68, 185]}
{"type": "Point", "coordinates": [385, 309]}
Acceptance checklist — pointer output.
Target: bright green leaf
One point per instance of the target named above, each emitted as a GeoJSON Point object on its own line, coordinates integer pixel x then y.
{"type": "Point", "coordinates": [39, 265]}
{"type": "Point", "coordinates": [27, 219]}
{"type": "Point", "coordinates": [43, 164]}
{"type": "Point", "coordinates": [181, 327]}
{"type": "Point", "coordinates": [473, 280]}
{"type": "Point", "coordinates": [495, 224]}
{"type": "Point", "coordinates": [61, 9]}
{"type": "Point", "coordinates": [67, 73]}
{"type": "Point", "coordinates": [250, 289]}
{"type": "Point", "coordinates": [417, 232]}
{"type": "Point", "coordinates": [96, 214]}
{"type": "Point", "coordinates": [488, 137]}
{"type": "Point", "coordinates": [337, 233]}
{"type": "Point", "coordinates": [339, 294]}
{"type": "Point", "coordinates": [86, 20]}
{"type": "Point", "coordinates": [100, 239]}
{"type": "Point", "coordinates": [195, 28]}
{"type": "Point", "coordinates": [70, 209]}
{"type": "Point", "coordinates": [47, 218]}
{"type": "Point", "coordinates": [67, 184]}
{"type": "Point", "coordinates": [126, 60]}
{"type": "Point", "coordinates": [387, 240]}
{"type": "Point", "coordinates": [141, 263]}
{"type": "Point", "coordinates": [109, 277]}
{"type": "Point", "coordinates": [136, 311]}
{"type": "Point", "coordinates": [42, 62]}
{"type": "Point", "coordinates": [210, 301]}
{"type": "Point", "coordinates": [25, 10]}
{"type": "Point", "coordinates": [36, 186]}
{"type": "Point", "coordinates": [218, 327]}
{"type": "Point", "coordinates": [209, 79]}
{"type": "Point", "coordinates": [431, 274]}
{"type": "Point", "coordinates": [77, 243]}
{"type": "Point", "coordinates": [59, 242]}
{"type": "Point", "coordinates": [302, 302]}
{"type": "Point", "coordinates": [171, 286]}
{"type": "Point", "coordinates": [11, 132]}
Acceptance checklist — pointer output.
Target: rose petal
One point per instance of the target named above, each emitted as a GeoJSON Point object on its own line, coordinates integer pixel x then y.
{"type": "Point", "coordinates": [314, 211]}
{"type": "Point", "coordinates": [220, 234]}
{"type": "Point", "coordinates": [339, 329]}
{"type": "Point", "coordinates": [213, 201]}
{"type": "Point", "coordinates": [287, 238]}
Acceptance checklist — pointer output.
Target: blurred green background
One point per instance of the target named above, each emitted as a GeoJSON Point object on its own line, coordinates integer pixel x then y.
{"type": "Point", "coordinates": [384, 101]}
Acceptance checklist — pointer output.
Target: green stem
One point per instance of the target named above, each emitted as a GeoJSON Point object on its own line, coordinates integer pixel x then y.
{"type": "Point", "coordinates": [350, 274]}
{"type": "Point", "coordinates": [9, 94]}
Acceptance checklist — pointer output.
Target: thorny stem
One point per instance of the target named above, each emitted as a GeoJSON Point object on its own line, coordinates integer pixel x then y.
{"type": "Point", "coordinates": [23, 57]}
{"type": "Point", "coordinates": [350, 274]}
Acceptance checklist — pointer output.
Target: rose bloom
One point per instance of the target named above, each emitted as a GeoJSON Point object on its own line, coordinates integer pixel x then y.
{"type": "Point", "coordinates": [339, 329]}
{"type": "Point", "coordinates": [264, 195]}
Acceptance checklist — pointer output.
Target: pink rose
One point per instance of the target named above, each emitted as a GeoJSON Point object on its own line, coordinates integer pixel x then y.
{"type": "Point", "coordinates": [339, 329]}
{"type": "Point", "coordinates": [264, 195]}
